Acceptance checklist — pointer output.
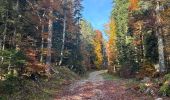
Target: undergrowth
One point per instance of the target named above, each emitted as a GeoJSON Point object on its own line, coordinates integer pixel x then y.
{"type": "Point", "coordinates": [15, 88]}
{"type": "Point", "coordinates": [165, 88]}
{"type": "Point", "coordinates": [107, 76]}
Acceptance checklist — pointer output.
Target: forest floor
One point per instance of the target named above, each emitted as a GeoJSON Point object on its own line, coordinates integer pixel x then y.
{"type": "Point", "coordinates": [17, 88]}
{"type": "Point", "coordinates": [101, 86]}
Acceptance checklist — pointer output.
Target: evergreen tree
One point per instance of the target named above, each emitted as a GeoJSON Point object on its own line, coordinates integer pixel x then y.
{"type": "Point", "coordinates": [87, 47]}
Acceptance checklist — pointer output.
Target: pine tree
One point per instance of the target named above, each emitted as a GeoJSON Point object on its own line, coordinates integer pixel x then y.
{"type": "Point", "coordinates": [120, 14]}
{"type": "Point", "coordinates": [87, 46]}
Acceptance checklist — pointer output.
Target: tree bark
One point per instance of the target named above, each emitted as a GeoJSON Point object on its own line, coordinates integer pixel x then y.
{"type": "Point", "coordinates": [3, 44]}
{"type": "Point", "coordinates": [49, 40]}
{"type": "Point", "coordinates": [42, 44]}
{"type": "Point", "coordinates": [64, 33]}
{"type": "Point", "coordinates": [160, 40]}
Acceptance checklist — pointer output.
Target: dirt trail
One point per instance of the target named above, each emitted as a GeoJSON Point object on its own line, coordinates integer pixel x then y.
{"type": "Point", "coordinates": [96, 88]}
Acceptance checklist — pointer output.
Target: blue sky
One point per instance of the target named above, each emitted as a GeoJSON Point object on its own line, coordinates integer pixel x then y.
{"type": "Point", "coordinates": [97, 12]}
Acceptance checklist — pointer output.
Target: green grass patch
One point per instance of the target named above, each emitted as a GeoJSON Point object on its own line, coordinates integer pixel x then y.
{"type": "Point", "coordinates": [127, 82]}
{"type": "Point", "coordinates": [107, 76]}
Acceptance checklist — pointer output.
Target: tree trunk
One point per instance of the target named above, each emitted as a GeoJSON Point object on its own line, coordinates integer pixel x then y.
{"type": "Point", "coordinates": [49, 41]}
{"type": "Point", "coordinates": [14, 38]}
{"type": "Point", "coordinates": [3, 44]}
{"type": "Point", "coordinates": [161, 51]}
{"type": "Point", "coordinates": [142, 44]}
{"type": "Point", "coordinates": [64, 33]}
{"type": "Point", "coordinates": [160, 40]}
{"type": "Point", "coordinates": [15, 28]}
{"type": "Point", "coordinates": [42, 44]}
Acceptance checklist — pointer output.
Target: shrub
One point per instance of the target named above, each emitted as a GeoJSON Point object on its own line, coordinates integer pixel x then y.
{"type": "Point", "coordinates": [10, 85]}
{"type": "Point", "coordinates": [3, 98]}
{"type": "Point", "coordinates": [128, 70]}
{"type": "Point", "coordinates": [147, 70]}
{"type": "Point", "coordinates": [166, 77]}
{"type": "Point", "coordinates": [142, 87]}
{"type": "Point", "coordinates": [165, 88]}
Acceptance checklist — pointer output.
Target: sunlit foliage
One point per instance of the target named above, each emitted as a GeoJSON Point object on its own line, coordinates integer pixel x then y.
{"type": "Point", "coordinates": [111, 48]}
{"type": "Point", "coordinates": [98, 49]}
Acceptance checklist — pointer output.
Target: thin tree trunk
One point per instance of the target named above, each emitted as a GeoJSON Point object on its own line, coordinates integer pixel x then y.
{"type": "Point", "coordinates": [4, 39]}
{"type": "Point", "coordinates": [9, 66]}
{"type": "Point", "coordinates": [50, 33]}
{"type": "Point", "coordinates": [78, 37]}
{"type": "Point", "coordinates": [42, 44]}
{"type": "Point", "coordinates": [142, 47]}
{"type": "Point", "coordinates": [160, 40]}
{"type": "Point", "coordinates": [161, 51]}
{"type": "Point", "coordinates": [3, 44]}
{"type": "Point", "coordinates": [15, 30]}
{"type": "Point", "coordinates": [64, 33]}
{"type": "Point", "coordinates": [42, 38]}
{"type": "Point", "coordinates": [14, 38]}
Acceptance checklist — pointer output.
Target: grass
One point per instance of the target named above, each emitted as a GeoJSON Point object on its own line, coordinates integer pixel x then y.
{"type": "Point", "coordinates": [131, 82]}
{"type": "Point", "coordinates": [127, 82]}
{"type": "Point", "coordinates": [107, 76]}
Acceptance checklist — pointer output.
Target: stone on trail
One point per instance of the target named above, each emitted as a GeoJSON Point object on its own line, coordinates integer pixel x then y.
{"type": "Point", "coordinates": [159, 99]}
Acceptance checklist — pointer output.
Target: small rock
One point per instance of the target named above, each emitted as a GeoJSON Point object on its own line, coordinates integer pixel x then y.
{"type": "Point", "coordinates": [152, 92]}
{"type": "Point", "coordinates": [147, 91]}
{"type": "Point", "coordinates": [159, 99]}
{"type": "Point", "coordinates": [146, 80]}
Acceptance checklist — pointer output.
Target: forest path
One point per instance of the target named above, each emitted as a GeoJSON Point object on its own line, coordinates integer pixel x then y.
{"type": "Point", "coordinates": [95, 87]}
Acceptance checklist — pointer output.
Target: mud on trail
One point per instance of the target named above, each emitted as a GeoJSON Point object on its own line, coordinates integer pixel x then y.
{"type": "Point", "coordinates": [95, 87]}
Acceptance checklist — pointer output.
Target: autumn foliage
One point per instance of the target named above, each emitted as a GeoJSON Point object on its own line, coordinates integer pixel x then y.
{"type": "Point", "coordinates": [111, 46]}
{"type": "Point", "coordinates": [98, 46]}
{"type": "Point", "coordinates": [133, 4]}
